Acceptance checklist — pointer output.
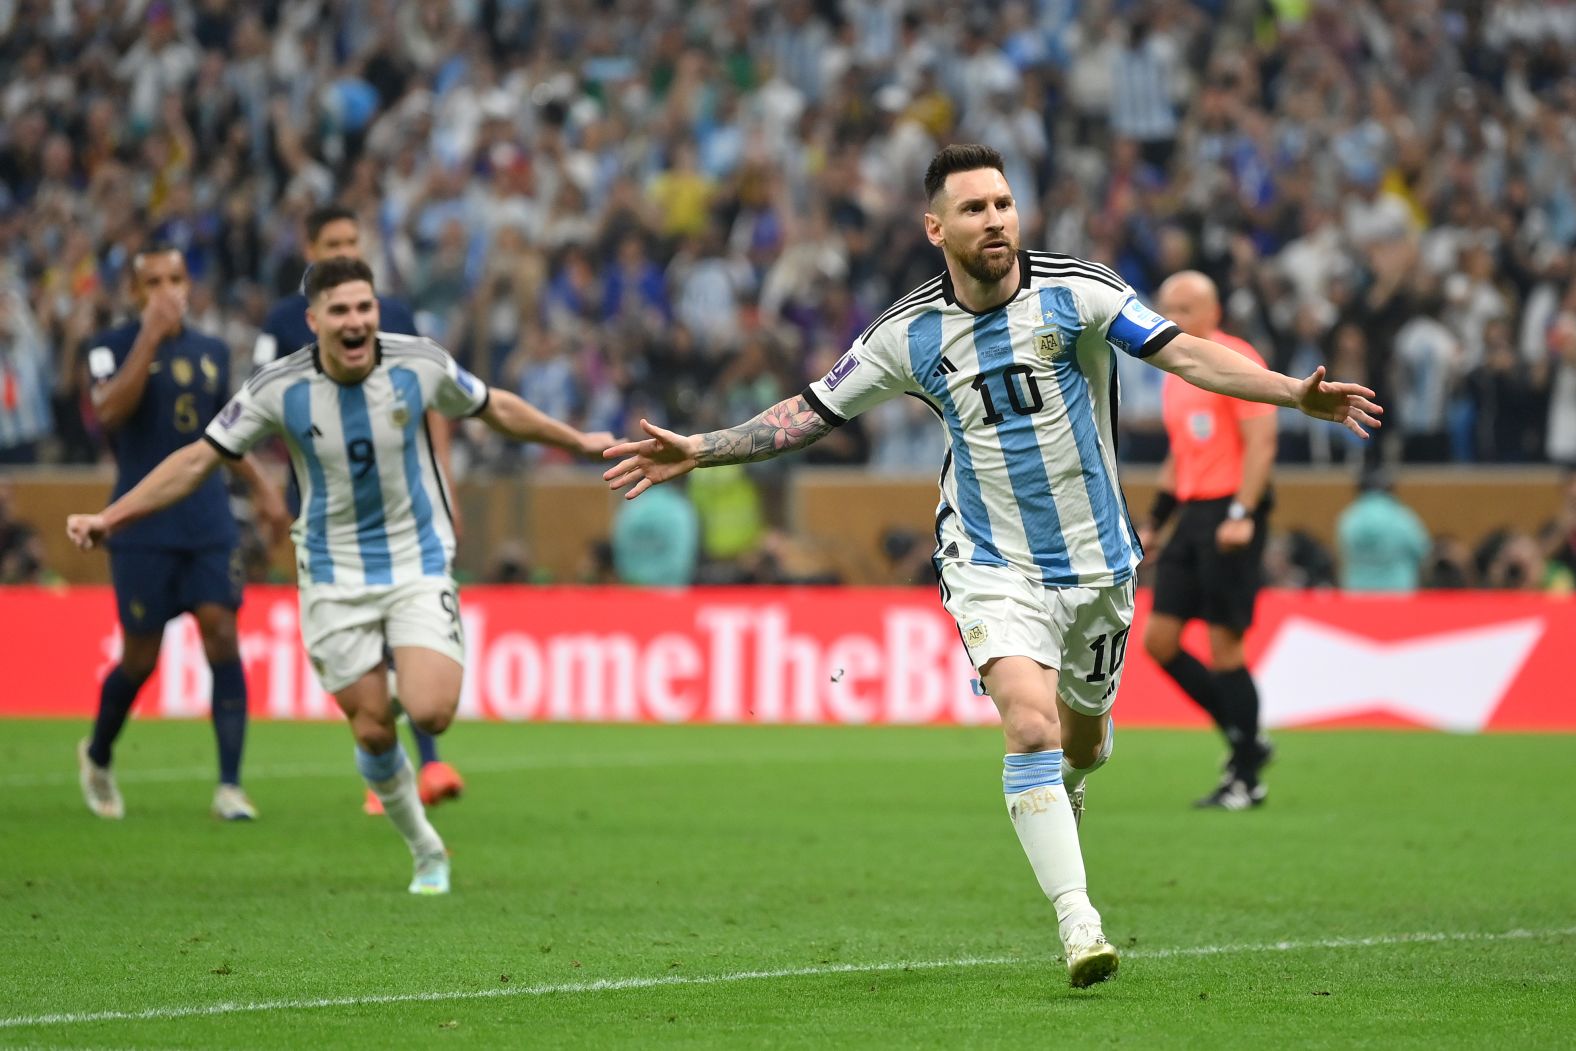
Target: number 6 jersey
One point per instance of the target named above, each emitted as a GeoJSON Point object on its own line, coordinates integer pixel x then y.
{"type": "Point", "coordinates": [188, 380]}
{"type": "Point", "coordinates": [1027, 394]}
{"type": "Point", "coordinates": [374, 511]}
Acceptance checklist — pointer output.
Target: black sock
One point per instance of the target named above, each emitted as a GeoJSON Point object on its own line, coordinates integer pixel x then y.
{"type": "Point", "coordinates": [1239, 702]}
{"type": "Point", "coordinates": [116, 697]}
{"type": "Point", "coordinates": [1189, 673]}
{"type": "Point", "coordinates": [426, 745]}
{"type": "Point", "coordinates": [229, 718]}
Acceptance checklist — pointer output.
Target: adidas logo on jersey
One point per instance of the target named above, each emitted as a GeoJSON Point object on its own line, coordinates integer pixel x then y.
{"type": "Point", "coordinates": [312, 432]}
{"type": "Point", "coordinates": [945, 367]}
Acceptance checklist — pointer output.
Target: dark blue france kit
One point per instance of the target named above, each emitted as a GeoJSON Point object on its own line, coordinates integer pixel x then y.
{"type": "Point", "coordinates": [188, 383]}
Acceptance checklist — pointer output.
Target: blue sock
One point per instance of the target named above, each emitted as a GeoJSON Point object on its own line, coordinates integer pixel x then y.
{"type": "Point", "coordinates": [379, 768]}
{"type": "Point", "coordinates": [1022, 771]}
{"type": "Point", "coordinates": [116, 697]}
{"type": "Point", "coordinates": [229, 718]}
{"type": "Point", "coordinates": [426, 745]}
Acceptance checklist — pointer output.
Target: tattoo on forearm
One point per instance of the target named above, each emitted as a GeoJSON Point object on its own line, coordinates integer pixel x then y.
{"type": "Point", "coordinates": [786, 426]}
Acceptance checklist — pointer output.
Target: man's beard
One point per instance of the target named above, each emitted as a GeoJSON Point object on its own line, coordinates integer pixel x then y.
{"type": "Point", "coordinates": [985, 270]}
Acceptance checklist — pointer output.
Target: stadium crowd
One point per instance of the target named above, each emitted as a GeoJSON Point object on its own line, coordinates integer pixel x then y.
{"type": "Point", "coordinates": [687, 210]}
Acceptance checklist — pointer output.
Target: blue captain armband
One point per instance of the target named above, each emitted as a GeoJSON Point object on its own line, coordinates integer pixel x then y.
{"type": "Point", "coordinates": [1139, 331]}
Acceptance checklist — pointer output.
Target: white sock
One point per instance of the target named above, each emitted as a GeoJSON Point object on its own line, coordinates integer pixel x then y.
{"type": "Point", "coordinates": [1037, 804]}
{"type": "Point", "coordinates": [1072, 776]}
{"type": "Point", "coordinates": [394, 783]}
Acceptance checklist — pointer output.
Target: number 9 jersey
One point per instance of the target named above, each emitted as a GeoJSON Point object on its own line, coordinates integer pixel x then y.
{"type": "Point", "coordinates": [188, 380]}
{"type": "Point", "coordinates": [1027, 393]}
{"type": "Point", "coordinates": [374, 510]}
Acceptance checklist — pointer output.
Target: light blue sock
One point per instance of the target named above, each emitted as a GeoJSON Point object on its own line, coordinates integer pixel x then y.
{"type": "Point", "coordinates": [1022, 771]}
{"type": "Point", "coordinates": [379, 768]}
{"type": "Point", "coordinates": [389, 778]}
{"type": "Point", "coordinates": [1037, 804]}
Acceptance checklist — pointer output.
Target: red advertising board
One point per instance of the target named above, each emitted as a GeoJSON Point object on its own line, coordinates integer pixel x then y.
{"type": "Point", "coordinates": [1464, 661]}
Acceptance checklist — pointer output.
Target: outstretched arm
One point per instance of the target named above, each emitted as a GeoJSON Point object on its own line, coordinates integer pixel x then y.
{"type": "Point", "coordinates": [1205, 363]}
{"type": "Point", "coordinates": [511, 414]}
{"type": "Point", "coordinates": [177, 477]}
{"type": "Point", "coordinates": [790, 424]}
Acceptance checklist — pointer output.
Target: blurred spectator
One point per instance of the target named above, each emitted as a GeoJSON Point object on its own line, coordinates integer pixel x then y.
{"type": "Point", "coordinates": [1562, 390]}
{"type": "Point", "coordinates": [1449, 564]}
{"type": "Point", "coordinates": [908, 558]}
{"type": "Point", "coordinates": [1382, 541]}
{"type": "Point", "coordinates": [26, 416]}
{"type": "Point", "coordinates": [511, 564]}
{"type": "Point", "coordinates": [596, 564]}
{"type": "Point", "coordinates": [1517, 564]}
{"type": "Point", "coordinates": [657, 546]}
{"type": "Point", "coordinates": [21, 550]}
{"type": "Point", "coordinates": [1295, 559]}
{"type": "Point", "coordinates": [1385, 188]}
{"type": "Point", "coordinates": [1561, 543]}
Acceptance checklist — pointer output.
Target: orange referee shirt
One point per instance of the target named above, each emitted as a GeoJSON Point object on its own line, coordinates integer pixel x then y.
{"type": "Point", "coordinates": [1206, 443]}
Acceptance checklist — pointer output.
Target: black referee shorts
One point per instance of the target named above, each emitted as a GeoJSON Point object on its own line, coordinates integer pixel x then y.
{"type": "Point", "coordinates": [1195, 580]}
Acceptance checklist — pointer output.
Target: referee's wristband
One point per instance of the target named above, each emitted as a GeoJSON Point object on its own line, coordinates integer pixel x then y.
{"type": "Point", "coordinates": [1164, 506]}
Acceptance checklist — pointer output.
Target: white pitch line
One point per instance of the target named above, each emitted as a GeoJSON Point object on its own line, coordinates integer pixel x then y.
{"type": "Point", "coordinates": [302, 771]}
{"type": "Point", "coordinates": [605, 985]}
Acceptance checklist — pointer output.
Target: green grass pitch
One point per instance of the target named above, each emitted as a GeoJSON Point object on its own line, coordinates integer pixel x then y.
{"type": "Point", "coordinates": [787, 887]}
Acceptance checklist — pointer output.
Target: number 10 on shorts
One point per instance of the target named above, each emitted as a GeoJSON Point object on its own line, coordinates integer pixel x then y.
{"type": "Point", "coordinates": [1101, 646]}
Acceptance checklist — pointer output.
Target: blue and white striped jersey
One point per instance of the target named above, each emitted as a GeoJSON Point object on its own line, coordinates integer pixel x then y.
{"type": "Point", "coordinates": [1028, 394]}
{"type": "Point", "coordinates": [374, 510]}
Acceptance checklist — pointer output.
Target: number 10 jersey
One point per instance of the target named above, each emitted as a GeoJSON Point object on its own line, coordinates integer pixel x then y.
{"type": "Point", "coordinates": [1027, 393]}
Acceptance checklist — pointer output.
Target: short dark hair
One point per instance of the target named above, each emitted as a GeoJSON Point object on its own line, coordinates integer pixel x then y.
{"type": "Point", "coordinates": [965, 157]}
{"type": "Point", "coordinates": [318, 218]}
{"type": "Point", "coordinates": [331, 273]}
{"type": "Point", "coordinates": [156, 248]}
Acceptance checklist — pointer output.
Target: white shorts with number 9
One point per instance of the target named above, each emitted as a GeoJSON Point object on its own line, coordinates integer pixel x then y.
{"type": "Point", "coordinates": [345, 630]}
{"type": "Point", "coordinates": [1082, 632]}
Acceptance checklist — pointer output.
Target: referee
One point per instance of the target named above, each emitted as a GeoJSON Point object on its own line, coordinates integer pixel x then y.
{"type": "Point", "coordinates": [1215, 483]}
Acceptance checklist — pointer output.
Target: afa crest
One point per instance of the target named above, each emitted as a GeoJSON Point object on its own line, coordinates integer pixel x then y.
{"type": "Point", "coordinates": [1048, 342]}
{"type": "Point", "coordinates": [400, 416]}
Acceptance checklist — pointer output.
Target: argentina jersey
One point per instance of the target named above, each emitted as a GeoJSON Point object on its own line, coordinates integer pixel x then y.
{"type": "Point", "coordinates": [374, 511]}
{"type": "Point", "coordinates": [1027, 394]}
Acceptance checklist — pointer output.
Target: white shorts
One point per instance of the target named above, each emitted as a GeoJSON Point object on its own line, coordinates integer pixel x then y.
{"type": "Point", "coordinates": [345, 631]}
{"type": "Point", "coordinates": [1082, 632]}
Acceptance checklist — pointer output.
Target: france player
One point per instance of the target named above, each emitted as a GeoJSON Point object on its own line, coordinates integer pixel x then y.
{"type": "Point", "coordinates": [333, 230]}
{"type": "Point", "coordinates": [1015, 353]}
{"type": "Point", "coordinates": [157, 382]}
{"type": "Point", "coordinates": [373, 541]}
